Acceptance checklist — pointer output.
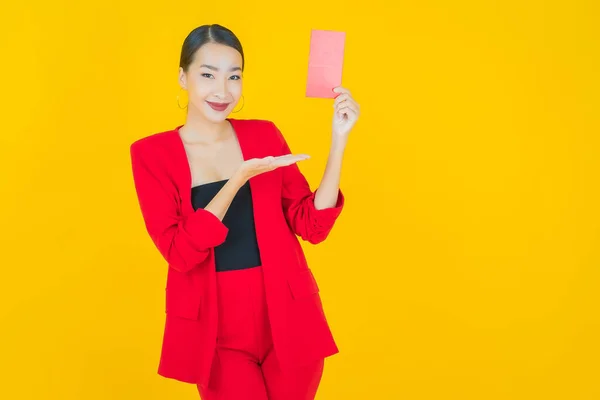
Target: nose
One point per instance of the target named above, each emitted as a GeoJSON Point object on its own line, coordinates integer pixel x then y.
{"type": "Point", "coordinates": [221, 88]}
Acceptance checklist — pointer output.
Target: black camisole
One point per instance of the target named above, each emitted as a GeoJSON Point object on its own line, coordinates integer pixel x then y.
{"type": "Point", "coordinates": [240, 249]}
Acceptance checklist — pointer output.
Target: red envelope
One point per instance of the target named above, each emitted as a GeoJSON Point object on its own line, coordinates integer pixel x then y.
{"type": "Point", "coordinates": [325, 62]}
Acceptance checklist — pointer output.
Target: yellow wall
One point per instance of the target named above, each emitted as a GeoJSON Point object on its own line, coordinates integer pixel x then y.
{"type": "Point", "coordinates": [465, 265]}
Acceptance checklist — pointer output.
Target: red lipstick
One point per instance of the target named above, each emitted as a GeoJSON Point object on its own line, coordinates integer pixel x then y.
{"type": "Point", "coordinates": [218, 106]}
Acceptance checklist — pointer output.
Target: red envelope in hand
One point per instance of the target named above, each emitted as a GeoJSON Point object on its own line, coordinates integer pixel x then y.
{"type": "Point", "coordinates": [325, 62]}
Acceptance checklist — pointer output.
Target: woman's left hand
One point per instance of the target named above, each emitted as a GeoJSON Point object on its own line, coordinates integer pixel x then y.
{"type": "Point", "coordinates": [345, 114]}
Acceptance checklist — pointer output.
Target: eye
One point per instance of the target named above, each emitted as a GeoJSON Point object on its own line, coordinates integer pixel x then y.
{"type": "Point", "coordinates": [207, 75]}
{"type": "Point", "coordinates": [236, 77]}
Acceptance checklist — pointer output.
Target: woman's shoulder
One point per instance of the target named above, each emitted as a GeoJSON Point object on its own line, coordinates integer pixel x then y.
{"type": "Point", "coordinates": [154, 141]}
{"type": "Point", "coordinates": [264, 128]}
{"type": "Point", "coordinates": [254, 124]}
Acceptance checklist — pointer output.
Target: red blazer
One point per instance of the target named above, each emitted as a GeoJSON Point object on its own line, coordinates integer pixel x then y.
{"type": "Point", "coordinates": [283, 209]}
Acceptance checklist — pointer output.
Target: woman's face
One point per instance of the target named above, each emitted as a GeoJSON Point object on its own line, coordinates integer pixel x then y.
{"type": "Point", "coordinates": [213, 81]}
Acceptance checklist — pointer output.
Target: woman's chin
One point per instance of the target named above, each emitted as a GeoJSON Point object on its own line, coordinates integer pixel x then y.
{"type": "Point", "coordinates": [220, 117]}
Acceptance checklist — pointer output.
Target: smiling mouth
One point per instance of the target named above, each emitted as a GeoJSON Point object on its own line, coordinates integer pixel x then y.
{"type": "Point", "coordinates": [218, 106]}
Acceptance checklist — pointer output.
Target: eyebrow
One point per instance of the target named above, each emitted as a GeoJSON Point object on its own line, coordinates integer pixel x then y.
{"type": "Point", "coordinates": [213, 68]}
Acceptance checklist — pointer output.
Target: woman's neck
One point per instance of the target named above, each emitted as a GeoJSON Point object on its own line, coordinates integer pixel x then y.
{"type": "Point", "coordinates": [198, 130]}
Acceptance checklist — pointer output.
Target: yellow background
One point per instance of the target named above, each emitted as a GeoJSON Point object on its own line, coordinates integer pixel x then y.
{"type": "Point", "coordinates": [465, 265]}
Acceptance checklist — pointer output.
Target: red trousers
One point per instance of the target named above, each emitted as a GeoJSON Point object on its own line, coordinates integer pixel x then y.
{"type": "Point", "coordinates": [245, 365]}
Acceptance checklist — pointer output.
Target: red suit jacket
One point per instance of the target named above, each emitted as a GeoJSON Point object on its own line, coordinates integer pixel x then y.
{"type": "Point", "coordinates": [283, 209]}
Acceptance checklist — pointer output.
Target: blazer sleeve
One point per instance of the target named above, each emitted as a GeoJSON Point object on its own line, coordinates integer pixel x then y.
{"type": "Point", "coordinates": [183, 241]}
{"type": "Point", "coordinates": [311, 224]}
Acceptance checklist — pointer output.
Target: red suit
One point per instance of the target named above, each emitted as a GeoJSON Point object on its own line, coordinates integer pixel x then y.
{"type": "Point", "coordinates": [283, 210]}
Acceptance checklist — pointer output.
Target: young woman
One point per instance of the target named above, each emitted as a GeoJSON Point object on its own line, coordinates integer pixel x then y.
{"type": "Point", "coordinates": [225, 202]}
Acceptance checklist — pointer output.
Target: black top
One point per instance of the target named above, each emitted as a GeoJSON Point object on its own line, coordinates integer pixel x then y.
{"type": "Point", "coordinates": [240, 249]}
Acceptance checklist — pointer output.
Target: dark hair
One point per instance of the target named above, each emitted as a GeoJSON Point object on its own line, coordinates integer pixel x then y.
{"type": "Point", "coordinates": [207, 34]}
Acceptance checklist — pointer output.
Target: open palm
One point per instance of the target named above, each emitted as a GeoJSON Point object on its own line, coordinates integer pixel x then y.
{"type": "Point", "coordinates": [257, 166]}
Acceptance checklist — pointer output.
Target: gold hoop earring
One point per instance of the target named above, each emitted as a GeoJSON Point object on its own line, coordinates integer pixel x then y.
{"type": "Point", "coordinates": [243, 103]}
{"type": "Point", "coordinates": [178, 103]}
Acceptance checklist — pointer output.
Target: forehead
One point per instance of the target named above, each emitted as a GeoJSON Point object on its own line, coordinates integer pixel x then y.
{"type": "Point", "coordinates": [218, 55]}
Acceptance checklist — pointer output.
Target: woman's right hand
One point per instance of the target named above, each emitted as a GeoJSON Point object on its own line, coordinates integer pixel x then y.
{"type": "Point", "coordinates": [257, 166]}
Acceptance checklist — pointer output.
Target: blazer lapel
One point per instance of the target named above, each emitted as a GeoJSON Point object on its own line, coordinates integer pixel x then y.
{"type": "Point", "coordinates": [260, 185]}
{"type": "Point", "coordinates": [182, 172]}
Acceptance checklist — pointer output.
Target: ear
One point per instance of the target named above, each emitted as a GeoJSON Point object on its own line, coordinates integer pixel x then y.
{"type": "Point", "coordinates": [182, 79]}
